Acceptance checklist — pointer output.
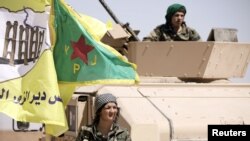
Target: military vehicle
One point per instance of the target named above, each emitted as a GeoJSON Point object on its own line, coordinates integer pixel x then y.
{"type": "Point", "coordinates": [184, 87]}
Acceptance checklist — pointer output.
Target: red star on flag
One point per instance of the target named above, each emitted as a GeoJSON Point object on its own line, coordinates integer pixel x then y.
{"type": "Point", "coordinates": [81, 50]}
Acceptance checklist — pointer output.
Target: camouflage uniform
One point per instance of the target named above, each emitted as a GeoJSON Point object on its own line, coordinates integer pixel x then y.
{"type": "Point", "coordinates": [165, 33]}
{"type": "Point", "coordinates": [90, 133]}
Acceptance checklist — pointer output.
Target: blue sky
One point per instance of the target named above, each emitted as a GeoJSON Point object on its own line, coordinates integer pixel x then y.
{"type": "Point", "coordinates": [203, 15]}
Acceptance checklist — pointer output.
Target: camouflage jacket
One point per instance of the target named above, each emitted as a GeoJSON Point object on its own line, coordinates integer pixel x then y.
{"type": "Point", "coordinates": [165, 33]}
{"type": "Point", "coordinates": [89, 133]}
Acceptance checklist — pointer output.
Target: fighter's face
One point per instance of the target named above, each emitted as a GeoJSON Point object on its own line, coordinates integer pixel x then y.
{"type": "Point", "coordinates": [109, 112]}
{"type": "Point", "coordinates": [177, 19]}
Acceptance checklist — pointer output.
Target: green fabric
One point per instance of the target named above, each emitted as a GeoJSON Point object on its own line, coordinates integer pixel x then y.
{"type": "Point", "coordinates": [165, 33]}
{"type": "Point", "coordinates": [172, 9]}
{"type": "Point", "coordinates": [90, 133]}
{"type": "Point", "coordinates": [79, 58]}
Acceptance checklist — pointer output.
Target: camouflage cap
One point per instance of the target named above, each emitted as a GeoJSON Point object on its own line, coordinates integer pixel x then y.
{"type": "Point", "coordinates": [172, 9]}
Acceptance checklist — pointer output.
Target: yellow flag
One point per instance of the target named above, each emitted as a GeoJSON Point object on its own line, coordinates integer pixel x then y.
{"type": "Point", "coordinates": [28, 81]}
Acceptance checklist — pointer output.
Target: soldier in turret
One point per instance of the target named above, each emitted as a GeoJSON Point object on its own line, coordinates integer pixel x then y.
{"type": "Point", "coordinates": [175, 28]}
